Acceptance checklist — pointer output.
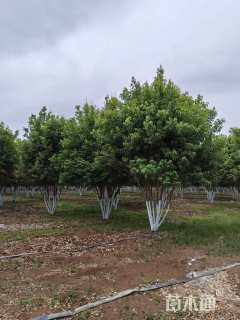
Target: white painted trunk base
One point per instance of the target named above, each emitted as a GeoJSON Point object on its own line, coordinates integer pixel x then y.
{"type": "Point", "coordinates": [1, 200]}
{"type": "Point", "coordinates": [82, 190]}
{"type": "Point", "coordinates": [51, 197]}
{"type": "Point", "coordinates": [157, 212]}
{"type": "Point", "coordinates": [236, 194]}
{"type": "Point", "coordinates": [211, 196]}
{"type": "Point", "coordinates": [106, 206]}
{"type": "Point", "coordinates": [51, 204]}
{"type": "Point", "coordinates": [116, 201]}
{"type": "Point", "coordinates": [107, 202]}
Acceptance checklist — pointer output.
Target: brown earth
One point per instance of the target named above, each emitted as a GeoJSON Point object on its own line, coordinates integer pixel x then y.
{"type": "Point", "coordinates": [62, 275]}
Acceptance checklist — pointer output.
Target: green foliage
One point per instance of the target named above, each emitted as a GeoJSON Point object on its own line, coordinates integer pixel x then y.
{"type": "Point", "coordinates": [21, 178]}
{"type": "Point", "coordinates": [79, 146]}
{"type": "Point", "coordinates": [155, 173]}
{"type": "Point", "coordinates": [92, 147]}
{"type": "Point", "coordinates": [108, 165]}
{"type": "Point", "coordinates": [164, 128]}
{"type": "Point", "coordinates": [154, 135]}
{"type": "Point", "coordinates": [41, 148]}
{"type": "Point", "coordinates": [8, 156]}
{"type": "Point", "coordinates": [213, 159]}
{"type": "Point", "coordinates": [232, 163]}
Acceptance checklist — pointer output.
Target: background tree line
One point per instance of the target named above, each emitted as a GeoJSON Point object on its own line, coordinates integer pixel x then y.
{"type": "Point", "coordinates": [153, 136]}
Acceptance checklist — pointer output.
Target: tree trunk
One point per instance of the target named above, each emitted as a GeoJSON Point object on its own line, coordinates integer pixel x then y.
{"type": "Point", "coordinates": [157, 202]}
{"type": "Point", "coordinates": [51, 195]}
{"type": "Point", "coordinates": [82, 190]}
{"type": "Point", "coordinates": [211, 196]}
{"type": "Point", "coordinates": [1, 200]}
{"type": "Point", "coordinates": [14, 198]}
{"type": "Point", "coordinates": [236, 193]}
{"type": "Point", "coordinates": [116, 200]}
{"type": "Point", "coordinates": [2, 189]}
{"type": "Point", "coordinates": [106, 197]}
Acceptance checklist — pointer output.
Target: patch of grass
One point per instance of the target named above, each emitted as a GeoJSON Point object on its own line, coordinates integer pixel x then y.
{"type": "Point", "coordinates": [29, 234]}
{"type": "Point", "coordinates": [31, 302]}
{"type": "Point", "coordinates": [89, 216]}
{"type": "Point", "coordinates": [219, 230]}
{"type": "Point", "coordinates": [69, 297]}
{"type": "Point", "coordinates": [64, 298]}
{"type": "Point", "coordinates": [70, 211]}
{"type": "Point", "coordinates": [213, 226]}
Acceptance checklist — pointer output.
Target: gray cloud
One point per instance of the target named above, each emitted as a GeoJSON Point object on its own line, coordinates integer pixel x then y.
{"type": "Point", "coordinates": [37, 24]}
{"type": "Point", "coordinates": [60, 53]}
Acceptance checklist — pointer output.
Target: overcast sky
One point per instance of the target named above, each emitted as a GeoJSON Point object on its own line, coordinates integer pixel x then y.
{"type": "Point", "coordinates": [59, 53]}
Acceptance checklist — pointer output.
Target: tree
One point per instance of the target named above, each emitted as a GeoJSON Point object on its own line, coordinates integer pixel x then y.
{"type": "Point", "coordinates": [8, 159]}
{"type": "Point", "coordinates": [214, 156]}
{"type": "Point", "coordinates": [110, 171]}
{"type": "Point", "coordinates": [232, 164]}
{"type": "Point", "coordinates": [41, 148]}
{"type": "Point", "coordinates": [165, 131]}
{"type": "Point", "coordinates": [92, 153]}
{"type": "Point", "coordinates": [78, 147]}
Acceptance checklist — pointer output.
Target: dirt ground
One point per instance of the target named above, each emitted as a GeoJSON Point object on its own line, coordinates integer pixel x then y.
{"type": "Point", "coordinates": [80, 266]}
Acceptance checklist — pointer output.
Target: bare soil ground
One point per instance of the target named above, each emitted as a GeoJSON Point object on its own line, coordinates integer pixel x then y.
{"type": "Point", "coordinates": [62, 275]}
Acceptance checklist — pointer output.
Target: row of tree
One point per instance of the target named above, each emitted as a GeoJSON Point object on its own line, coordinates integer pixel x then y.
{"type": "Point", "coordinates": [153, 136]}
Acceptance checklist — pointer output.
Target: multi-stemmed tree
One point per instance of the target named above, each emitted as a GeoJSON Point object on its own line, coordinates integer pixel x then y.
{"type": "Point", "coordinates": [213, 158]}
{"type": "Point", "coordinates": [165, 132]}
{"type": "Point", "coordinates": [110, 171]}
{"type": "Point", "coordinates": [8, 159]}
{"type": "Point", "coordinates": [92, 153]}
{"type": "Point", "coordinates": [78, 147]}
{"type": "Point", "coordinates": [40, 151]}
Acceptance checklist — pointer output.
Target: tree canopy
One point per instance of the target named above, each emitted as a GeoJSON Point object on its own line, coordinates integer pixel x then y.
{"type": "Point", "coordinates": [232, 163]}
{"type": "Point", "coordinates": [154, 136]}
{"type": "Point", "coordinates": [166, 132]}
{"type": "Point", "coordinates": [8, 159]}
{"type": "Point", "coordinates": [41, 147]}
{"type": "Point", "coordinates": [8, 156]}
